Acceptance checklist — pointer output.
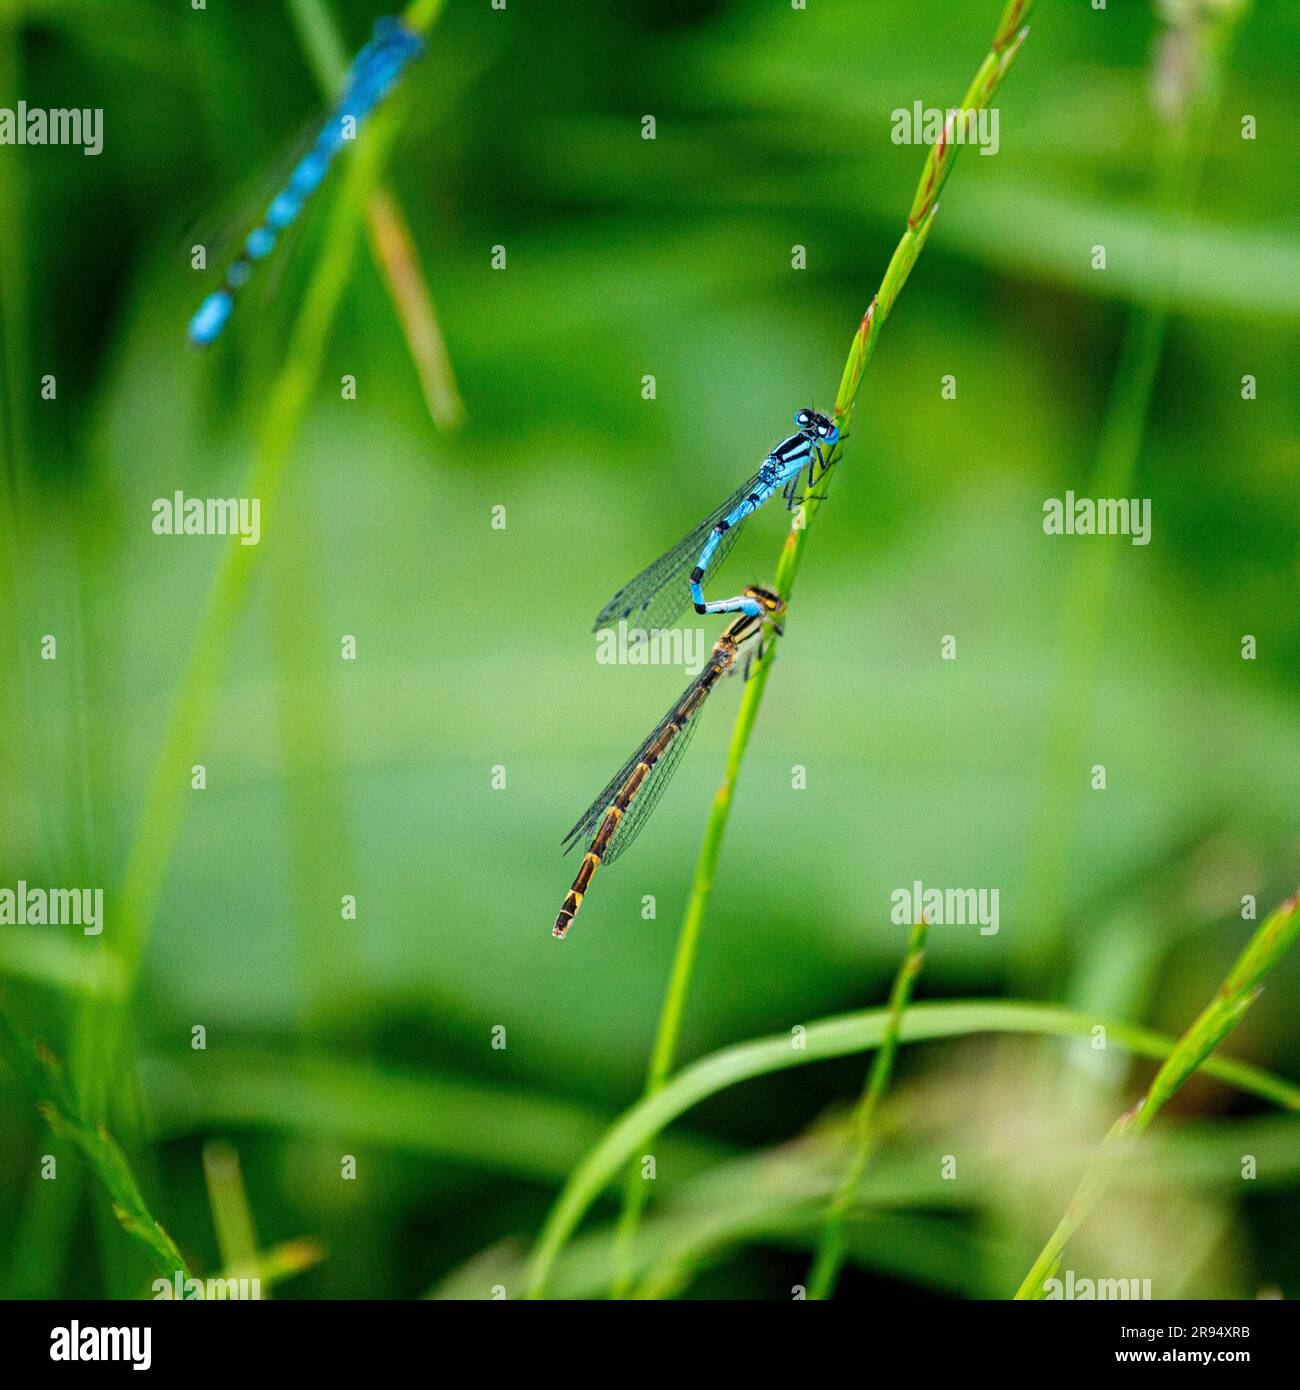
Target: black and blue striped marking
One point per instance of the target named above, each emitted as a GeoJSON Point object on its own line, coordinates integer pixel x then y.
{"type": "Point", "coordinates": [656, 597]}
{"type": "Point", "coordinates": [373, 74]}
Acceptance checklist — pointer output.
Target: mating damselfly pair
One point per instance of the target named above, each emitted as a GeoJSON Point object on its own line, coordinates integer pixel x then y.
{"type": "Point", "coordinates": [657, 597]}
{"type": "Point", "coordinates": [372, 75]}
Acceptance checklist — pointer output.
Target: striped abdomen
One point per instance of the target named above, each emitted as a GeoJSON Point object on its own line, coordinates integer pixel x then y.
{"type": "Point", "coordinates": [626, 794]}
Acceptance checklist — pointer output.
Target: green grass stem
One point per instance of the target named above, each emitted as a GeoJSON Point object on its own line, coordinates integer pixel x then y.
{"type": "Point", "coordinates": [159, 827]}
{"type": "Point", "coordinates": [1007, 40]}
{"type": "Point", "coordinates": [1193, 1051]}
{"type": "Point", "coordinates": [830, 1250]}
{"type": "Point", "coordinates": [232, 1215]}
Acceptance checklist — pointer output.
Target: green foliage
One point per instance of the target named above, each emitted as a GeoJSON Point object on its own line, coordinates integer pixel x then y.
{"type": "Point", "coordinates": [819, 1041]}
{"type": "Point", "coordinates": [329, 1035]}
{"type": "Point", "coordinates": [1237, 993]}
{"type": "Point", "coordinates": [60, 1109]}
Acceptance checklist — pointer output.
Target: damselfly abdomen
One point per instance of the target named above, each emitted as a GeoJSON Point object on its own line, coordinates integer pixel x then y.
{"type": "Point", "coordinates": [373, 74]}
{"type": "Point", "coordinates": [657, 596]}
{"type": "Point", "coordinates": [627, 799]}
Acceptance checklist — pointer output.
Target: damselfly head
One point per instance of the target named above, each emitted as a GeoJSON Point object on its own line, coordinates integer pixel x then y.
{"type": "Point", "coordinates": [820, 426]}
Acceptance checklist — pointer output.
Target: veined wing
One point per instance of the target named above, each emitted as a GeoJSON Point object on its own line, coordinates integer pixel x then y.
{"type": "Point", "coordinates": [648, 794]}
{"type": "Point", "coordinates": [656, 597]}
{"type": "Point", "coordinates": [586, 825]}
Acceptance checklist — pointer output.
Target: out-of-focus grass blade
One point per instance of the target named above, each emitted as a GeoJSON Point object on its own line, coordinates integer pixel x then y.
{"type": "Point", "coordinates": [502, 1129]}
{"type": "Point", "coordinates": [839, 1037]}
{"type": "Point", "coordinates": [232, 1217]}
{"type": "Point", "coordinates": [103, 1032]}
{"type": "Point", "coordinates": [389, 234]}
{"type": "Point", "coordinates": [394, 248]}
{"type": "Point", "coordinates": [57, 1104]}
{"type": "Point", "coordinates": [56, 962]}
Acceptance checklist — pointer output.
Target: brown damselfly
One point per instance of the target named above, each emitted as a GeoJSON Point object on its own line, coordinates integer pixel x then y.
{"type": "Point", "coordinates": [626, 801]}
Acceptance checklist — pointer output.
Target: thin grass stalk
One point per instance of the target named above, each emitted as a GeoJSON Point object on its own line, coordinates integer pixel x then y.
{"type": "Point", "coordinates": [103, 1031]}
{"type": "Point", "coordinates": [160, 822]}
{"type": "Point", "coordinates": [1203, 38]}
{"type": "Point", "coordinates": [394, 250]}
{"type": "Point", "coordinates": [1007, 40]}
{"type": "Point", "coordinates": [232, 1215]}
{"type": "Point", "coordinates": [1243, 985]}
{"type": "Point", "coordinates": [831, 1248]}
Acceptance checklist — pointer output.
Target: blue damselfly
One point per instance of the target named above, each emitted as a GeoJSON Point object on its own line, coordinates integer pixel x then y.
{"type": "Point", "coordinates": [624, 805]}
{"type": "Point", "coordinates": [656, 597]}
{"type": "Point", "coordinates": [373, 74]}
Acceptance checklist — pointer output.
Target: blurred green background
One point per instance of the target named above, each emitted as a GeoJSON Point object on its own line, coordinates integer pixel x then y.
{"type": "Point", "coordinates": [374, 777]}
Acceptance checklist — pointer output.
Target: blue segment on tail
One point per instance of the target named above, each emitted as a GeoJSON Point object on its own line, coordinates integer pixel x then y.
{"type": "Point", "coordinates": [738, 513]}
{"type": "Point", "coordinates": [373, 74]}
{"type": "Point", "coordinates": [211, 318]}
{"type": "Point", "coordinates": [657, 595]}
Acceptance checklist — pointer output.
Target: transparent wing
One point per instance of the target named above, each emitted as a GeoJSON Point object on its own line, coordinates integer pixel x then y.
{"type": "Point", "coordinates": [585, 827]}
{"type": "Point", "coordinates": [656, 597]}
{"type": "Point", "coordinates": [221, 227]}
{"type": "Point", "coordinates": [648, 794]}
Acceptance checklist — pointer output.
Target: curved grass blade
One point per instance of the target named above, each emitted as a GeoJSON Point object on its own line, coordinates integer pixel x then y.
{"type": "Point", "coordinates": [840, 1037]}
{"type": "Point", "coordinates": [1193, 1050]}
